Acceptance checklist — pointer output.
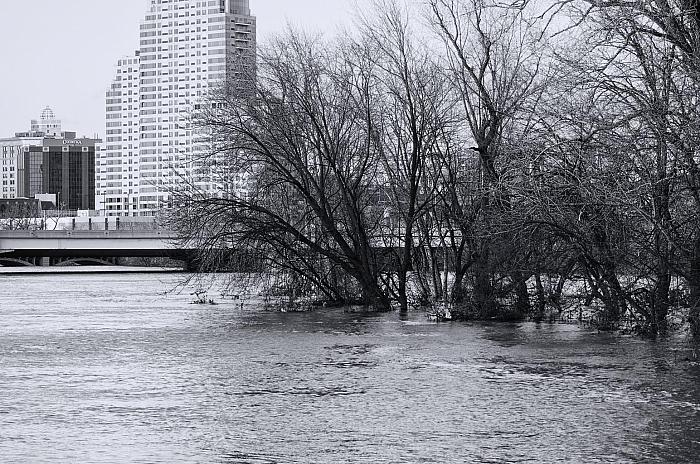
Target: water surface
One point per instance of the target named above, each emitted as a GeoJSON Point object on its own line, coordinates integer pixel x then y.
{"type": "Point", "coordinates": [108, 368]}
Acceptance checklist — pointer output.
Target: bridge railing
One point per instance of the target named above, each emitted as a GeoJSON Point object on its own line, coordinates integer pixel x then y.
{"type": "Point", "coordinates": [104, 223]}
{"type": "Point", "coordinates": [159, 234]}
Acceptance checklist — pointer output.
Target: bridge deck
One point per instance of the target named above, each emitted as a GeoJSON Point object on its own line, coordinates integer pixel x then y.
{"type": "Point", "coordinates": [88, 243]}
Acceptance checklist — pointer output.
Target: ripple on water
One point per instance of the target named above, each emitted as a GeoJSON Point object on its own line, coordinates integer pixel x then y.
{"type": "Point", "coordinates": [110, 369]}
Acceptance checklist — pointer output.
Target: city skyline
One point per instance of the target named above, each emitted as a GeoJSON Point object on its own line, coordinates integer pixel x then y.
{"type": "Point", "coordinates": [70, 71]}
{"type": "Point", "coordinates": [187, 48]}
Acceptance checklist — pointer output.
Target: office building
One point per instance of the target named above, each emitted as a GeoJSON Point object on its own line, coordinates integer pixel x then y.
{"type": "Point", "coordinates": [63, 167]}
{"type": "Point", "coordinates": [56, 162]}
{"type": "Point", "coordinates": [188, 48]}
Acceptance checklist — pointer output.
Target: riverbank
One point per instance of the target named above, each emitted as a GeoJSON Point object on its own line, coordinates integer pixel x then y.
{"type": "Point", "coordinates": [33, 270]}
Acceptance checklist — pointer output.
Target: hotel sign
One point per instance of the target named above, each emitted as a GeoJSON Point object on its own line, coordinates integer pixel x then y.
{"type": "Point", "coordinates": [72, 142]}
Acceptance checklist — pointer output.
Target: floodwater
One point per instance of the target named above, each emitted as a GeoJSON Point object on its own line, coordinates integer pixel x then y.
{"type": "Point", "coordinates": [108, 369]}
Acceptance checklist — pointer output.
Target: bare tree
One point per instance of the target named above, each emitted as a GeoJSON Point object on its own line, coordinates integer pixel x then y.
{"type": "Point", "coordinates": [415, 112]}
{"type": "Point", "coordinates": [654, 66]}
{"type": "Point", "coordinates": [305, 145]}
{"type": "Point", "coordinates": [368, 167]}
{"type": "Point", "coordinates": [496, 64]}
{"type": "Point", "coordinates": [20, 214]}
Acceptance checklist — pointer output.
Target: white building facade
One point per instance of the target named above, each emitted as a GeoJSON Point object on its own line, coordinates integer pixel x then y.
{"type": "Point", "coordinates": [117, 164]}
{"type": "Point", "coordinates": [188, 48]}
{"type": "Point", "coordinates": [47, 124]}
{"type": "Point", "coordinates": [13, 148]}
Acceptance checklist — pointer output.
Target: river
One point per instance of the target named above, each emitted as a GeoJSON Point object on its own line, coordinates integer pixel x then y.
{"type": "Point", "coordinates": [109, 369]}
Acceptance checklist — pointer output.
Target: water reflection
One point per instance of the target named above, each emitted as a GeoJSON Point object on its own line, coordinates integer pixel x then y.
{"type": "Point", "coordinates": [106, 369]}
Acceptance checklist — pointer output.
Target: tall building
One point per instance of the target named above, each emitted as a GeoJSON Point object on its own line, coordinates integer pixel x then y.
{"type": "Point", "coordinates": [117, 170]}
{"type": "Point", "coordinates": [47, 161]}
{"type": "Point", "coordinates": [47, 124]}
{"type": "Point", "coordinates": [188, 48]}
{"type": "Point", "coordinates": [64, 167]}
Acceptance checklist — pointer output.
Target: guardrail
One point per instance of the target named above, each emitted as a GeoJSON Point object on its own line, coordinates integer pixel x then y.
{"type": "Point", "coordinates": [114, 234]}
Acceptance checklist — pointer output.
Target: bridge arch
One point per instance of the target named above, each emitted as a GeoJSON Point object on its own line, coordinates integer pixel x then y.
{"type": "Point", "coordinates": [14, 262]}
{"type": "Point", "coordinates": [84, 262]}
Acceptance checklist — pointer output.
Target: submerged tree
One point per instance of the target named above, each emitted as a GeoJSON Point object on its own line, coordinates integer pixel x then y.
{"type": "Point", "coordinates": [646, 69]}
{"type": "Point", "coordinates": [306, 152]}
{"type": "Point", "coordinates": [336, 147]}
{"type": "Point", "coordinates": [373, 168]}
{"type": "Point", "coordinates": [415, 116]}
{"type": "Point", "coordinates": [499, 72]}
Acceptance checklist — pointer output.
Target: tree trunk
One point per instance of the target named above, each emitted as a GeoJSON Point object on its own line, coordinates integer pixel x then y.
{"type": "Point", "coordinates": [446, 275]}
{"type": "Point", "coordinates": [402, 293]}
{"type": "Point", "coordinates": [405, 265]}
{"type": "Point", "coordinates": [613, 299]}
{"type": "Point", "coordinates": [457, 296]}
{"type": "Point", "coordinates": [694, 286]}
{"type": "Point", "coordinates": [660, 302]}
{"type": "Point", "coordinates": [541, 298]}
{"type": "Point", "coordinates": [483, 295]}
{"type": "Point", "coordinates": [435, 274]}
{"type": "Point", "coordinates": [522, 297]}
{"type": "Point", "coordinates": [662, 213]}
{"type": "Point", "coordinates": [372, 294]}
{"type": "Point", "coordinates": [457, 291]}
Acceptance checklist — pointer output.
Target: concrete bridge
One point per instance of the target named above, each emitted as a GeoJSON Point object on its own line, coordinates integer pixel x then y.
{"type": "Point", "coordinates": [48, 247]}
{"type": "Point", "coordinates": [75, 246]}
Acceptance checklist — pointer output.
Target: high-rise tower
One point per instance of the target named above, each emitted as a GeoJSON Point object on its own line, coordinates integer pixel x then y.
{"type": "Point", "coordinates": [188, 48]}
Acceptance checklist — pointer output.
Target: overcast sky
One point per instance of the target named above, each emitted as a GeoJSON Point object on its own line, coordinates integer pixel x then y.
{"type": "Point", "coordinates": [62, 53]}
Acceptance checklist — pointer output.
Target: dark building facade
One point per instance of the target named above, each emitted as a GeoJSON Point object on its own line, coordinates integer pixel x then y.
{"type": "Point", "coordinates": [64, 167]}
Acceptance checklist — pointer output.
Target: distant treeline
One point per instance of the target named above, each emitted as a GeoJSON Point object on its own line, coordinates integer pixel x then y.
{"type": "Point", "coordinates": [494, 158]}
